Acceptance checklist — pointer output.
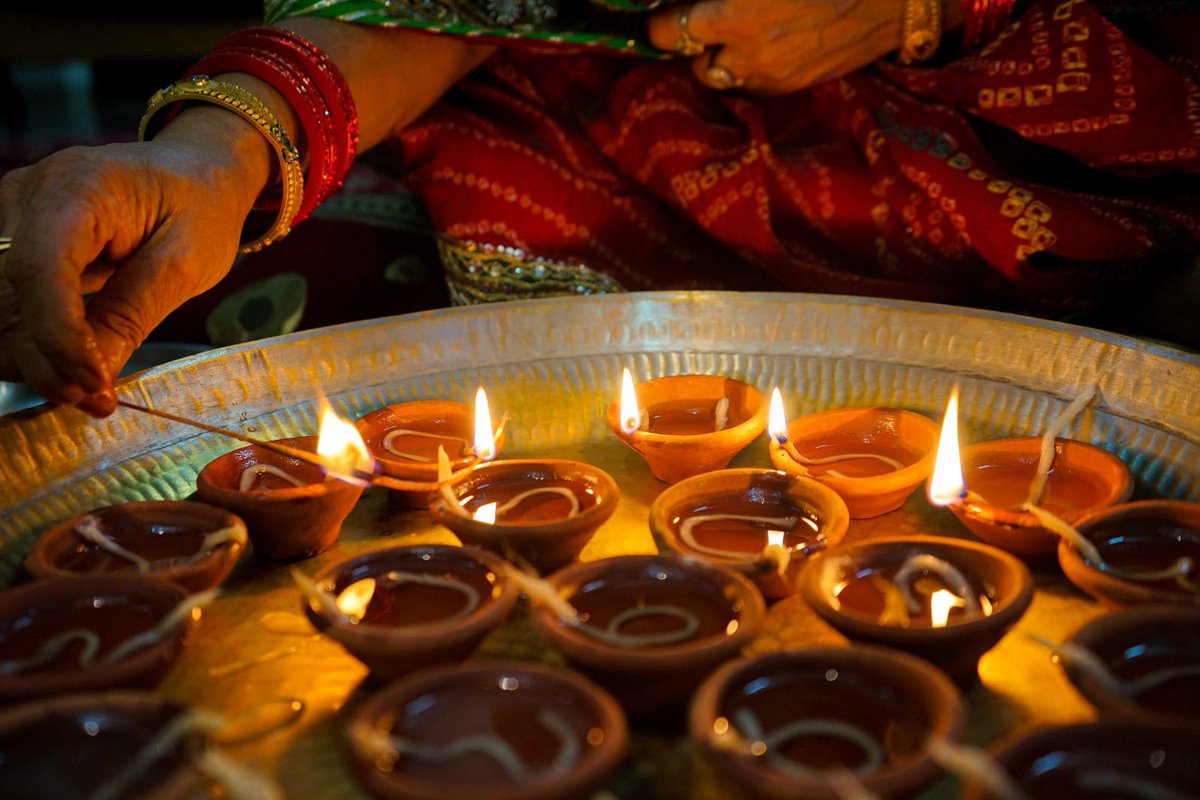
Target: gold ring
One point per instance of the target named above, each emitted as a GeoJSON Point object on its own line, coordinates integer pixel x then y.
{"type": "Point", "coordinates": [721, 79]}
{"type": "Point", "coordinates": [686, 44]}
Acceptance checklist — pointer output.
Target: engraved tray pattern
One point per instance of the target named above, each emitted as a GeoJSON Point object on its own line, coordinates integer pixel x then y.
{"type": "Point", "coordinates": [554, 365]}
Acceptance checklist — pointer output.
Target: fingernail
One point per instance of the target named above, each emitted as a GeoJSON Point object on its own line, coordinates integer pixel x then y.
{"type": "Point", "coordinates": [101, 404]}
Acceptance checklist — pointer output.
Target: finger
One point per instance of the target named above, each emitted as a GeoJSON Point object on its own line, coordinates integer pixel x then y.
{"type": "Point", "coordinates": [664, 29]}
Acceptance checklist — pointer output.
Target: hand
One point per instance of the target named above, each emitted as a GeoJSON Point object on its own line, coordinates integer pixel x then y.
{"type": "Point", "coordinates": [145, 226]}
{"type": "Point", "coordinates": [781, 46]}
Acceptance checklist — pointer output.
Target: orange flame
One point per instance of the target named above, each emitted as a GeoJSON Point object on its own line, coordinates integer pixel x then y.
{"type": "Point", "coordinates": [777, 420]}
{"type": "Point", "coordinates": [940, 603]}
{"type": "Point", "coordinates": [342, 448]}
{"type": "Point", "coordinates": [631, 416]}
{"type": "Point", "coordinates": [947, 486]}
{"type": "Point", "coordinates": [486, 513]}
{"type": "Point", "coordinates": [485, 441]}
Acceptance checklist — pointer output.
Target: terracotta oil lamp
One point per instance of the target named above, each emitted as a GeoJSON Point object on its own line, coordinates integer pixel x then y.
{"type": "Point", "coordinates": [1150, 553]}
{"type": "Point", "coordinates": [649, 628]}
{"type": "Point", "coordinates": [990, 486]}
{"type": "Point", "coordinates": [496, 731]}
{"type": "Point", "coordinates": [404, 608]}
{"type": "Point", "coordinates": [193, 545]}
{"type": "Point", "coordinates": [540, 511]}
{"type": "Point", "coordinates": [102, 733]}
{"type": "Point", "coordinates": [762, 523]}
{"type": "Point", "coordinates": [873, 457]}
{"type": "Point", "coordinates": [292, 508]}
{"type": "Point", "coordinates": [1103, 759]}
{"type": "Point", "coordinates": [684, 425]}
{"type": "Point", "coordinates": [405, 439]}
{"type": "Point", "coordinates": [1141, 663]}
{"type": "Point", "coordinates": [946, 600]}
{"type": "Point", "coordinates": [796, 723]}
{"type": "Point", "coordinates": [90, 632]}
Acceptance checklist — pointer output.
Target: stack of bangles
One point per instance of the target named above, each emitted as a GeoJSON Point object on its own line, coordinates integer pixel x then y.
{"type": "Point", "coordinates": [983, 19]}
{"type": "Point", "coordinates": [316, 91]}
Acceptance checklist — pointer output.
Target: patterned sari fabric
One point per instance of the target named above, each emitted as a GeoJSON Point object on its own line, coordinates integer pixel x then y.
{"type": "Point", "coordinates": [1046, 171]}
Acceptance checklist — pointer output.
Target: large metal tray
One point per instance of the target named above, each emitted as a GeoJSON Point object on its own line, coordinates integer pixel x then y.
{"type": "Point", "coordinates": [553, 365]}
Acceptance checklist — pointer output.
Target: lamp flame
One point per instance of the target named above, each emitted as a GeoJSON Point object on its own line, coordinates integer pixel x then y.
{"type": "Point", "coordinates": [355, 598]}
{"type": "Point", "coordinates": [485, 441]}
{"type": "Point", "coordinates": [947, 486]}
{"type": "Point", "coordinates": [631, 416]}
{"type": "Point", "coordinates": [486, 513]}
{"type": "Point", "coordinates": [777, 420]}
{"type": "Point", "coordinates": [940, 603]}
{"type": "Point", "coordinates": [775, 538]}
{"type": "Point", "coordinates": [342, 449]}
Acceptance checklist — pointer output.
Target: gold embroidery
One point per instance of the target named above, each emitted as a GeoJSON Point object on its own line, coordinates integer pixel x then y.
{"type": "Point", "coordinates": [485, 273]}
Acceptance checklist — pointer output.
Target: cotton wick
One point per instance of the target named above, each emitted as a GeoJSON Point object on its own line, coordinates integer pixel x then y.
{"type": "Point", "coordinates": [971, 763]}
{"type": "Point", "coordinates": [1048, 451]}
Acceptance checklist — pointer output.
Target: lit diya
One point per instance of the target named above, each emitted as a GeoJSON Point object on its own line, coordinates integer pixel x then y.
{"type": "Point", "coordinates": [91, 632]}
{"type": "Point", "coordinates": [946, 600]}
{"type": "Point", "coordinates": [647, 628]}
{"type": "Point", "coordinates": [1105, 759]}
{"type": "Point", "coordinates": [404, 608]}
{"type": "Point", "coordinates": [762, 523]}
{"type": "Point", "coordinates": [500, 731]}
{"type": "Point", "coordinates": [805, 723]}
{"type": "Point", "coordinates": [1140, 663]}
{"type": "Point", "coordinates": [540, 511]}
{"type": "Point", "coordinates": [1002, 485]}
{"type": "Point", "coordinates": [1136, 553]}
{"type": "Point", "coordinates": [405, 440]}
{"type": "Point", "coordinates": [193, 545]}
{"type": "Point", "coordinates": [292, 507]}
{"type": "Point", "coordinates": [873, 457]}
{"type": "Point", "coordinates": [684, 425]}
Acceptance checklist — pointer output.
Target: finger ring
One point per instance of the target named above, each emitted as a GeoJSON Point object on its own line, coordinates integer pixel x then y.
{"type": "Point", "coordinates": [686, 44]}
{"type": "Point", "coordinates": [5, 243]}
{"type": "Point", "coordinates": [721, 79]}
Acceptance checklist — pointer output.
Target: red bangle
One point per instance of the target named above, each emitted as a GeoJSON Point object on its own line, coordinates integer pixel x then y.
{"type": "Point", "coordinates": [305, 56]}
{"type": "Point", "coordinates": [984, 19]}
{"type": "Point", "coordinates": [307, 103]}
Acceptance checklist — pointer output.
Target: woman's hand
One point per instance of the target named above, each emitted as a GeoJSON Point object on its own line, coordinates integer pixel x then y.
{"type": "Point", "coordinates": [780, 46]}
{"type": "Point", "coordinates": [145, 226]}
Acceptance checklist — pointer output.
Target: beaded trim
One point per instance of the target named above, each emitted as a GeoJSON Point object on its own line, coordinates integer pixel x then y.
{"type": "Point", "coordinates": [485, 273]}
{"type": "Point", "coordinates": [201, 88]}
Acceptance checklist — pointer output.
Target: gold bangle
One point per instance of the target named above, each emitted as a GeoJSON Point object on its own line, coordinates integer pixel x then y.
{"type": "Point", "coordinates": [203, 89]}
{"type": "Point", "coordinates": [921, 31]}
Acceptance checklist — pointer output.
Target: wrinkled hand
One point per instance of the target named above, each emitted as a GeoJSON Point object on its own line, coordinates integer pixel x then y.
{"type": "Point", "coordinates": [780, 46]}
{"type": "Point", "coordinates": [144, 226]}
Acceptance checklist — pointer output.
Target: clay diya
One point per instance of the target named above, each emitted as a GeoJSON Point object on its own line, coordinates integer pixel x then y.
{"type": "Point", "coordinates": [649, 628]}
{"type": "Point", "coordinates": [1149, 552]}
{"type": "Point", "coordinates": [946, 600]}
{"type": "Point", "coordinates": [74, 745]}
{"type": "Point", "coordinates": [91, 632]}
{"type": "Point", "coordinates": [1104, 759]}
{"type": "Point", "coordinates": [498, 731]}
{"type": "Point", "coordinates": [801, 723]}
{"type": "Point", "coordinates": [405, 438]}
{"type": "Point", "coordinates": [193, 545]}
{"type": "Point", "coordinates": [873, 457]}
{"type": "Point", "coordinates": [1000, 473]}
{"type": "Point", "coordinates": [761, 523]}
{"type": "Point", "coordinates": [684, 425]}
{"type": "Point", "coordinates": [1141, 663]}
{"type": "Point", "coordinates": [404, 608]}
{"type": "Point", "coordinates": [291, 507]}
{"type": "Point", "coordinates": [542, 512]}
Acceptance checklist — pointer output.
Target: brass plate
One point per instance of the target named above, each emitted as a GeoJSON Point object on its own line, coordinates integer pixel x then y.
{"type": "Point", "coordinates": [553, 365]}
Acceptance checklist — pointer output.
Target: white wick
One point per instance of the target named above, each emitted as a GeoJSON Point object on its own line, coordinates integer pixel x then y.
{"type": "Point", "coordinates": [1048, 452]}
{"type": "Point", "coordinates": [752, 728]}
{"type": "Point", "coordinates": [323, 601]}
{"type": "Point", "coordinates": [88, 529]}
{"type": "Point", "coordinates": [688, 536]}
{"type": "Point", "coordinates": [560, 490]}
{"type": "Point", "coordinates": [1087, 661]}
{"type": "Point", "coordinates": [1107, 780]}
{"type": "Point", "coordinates": [396, 577]}
{"type": "Point", "coordinates": [251, 474]}
{"type": "Point", "coordinates": [378, 743]}
{"type": "Point", "coordinates": [950, 575]}
{"type": "Point", "coordinates": [160, 631]}
{"type": "Point", "coordinates": [185, 724]}
{"type": "Point", "coordinates": [973, 763]}
{"type": "Point", "coordinates": [396, 433]}
{"type": "Point", "coordinates": [721, 414]}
